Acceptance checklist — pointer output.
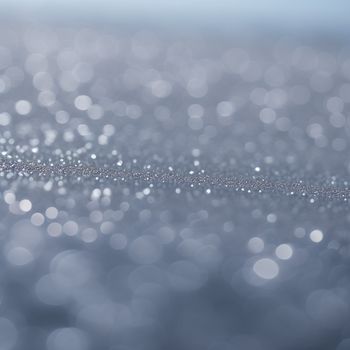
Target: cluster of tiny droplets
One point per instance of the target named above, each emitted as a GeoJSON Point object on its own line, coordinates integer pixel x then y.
{"type": "Point", "coordinates": [162, 193]}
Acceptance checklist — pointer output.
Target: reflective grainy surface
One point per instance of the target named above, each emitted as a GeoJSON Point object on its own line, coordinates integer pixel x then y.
{"type": "Point", "coordinates": [171, 191]}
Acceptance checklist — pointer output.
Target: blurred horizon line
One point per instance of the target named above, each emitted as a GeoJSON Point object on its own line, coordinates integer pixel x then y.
{"type": "Point", "coordinates": [296, 17]}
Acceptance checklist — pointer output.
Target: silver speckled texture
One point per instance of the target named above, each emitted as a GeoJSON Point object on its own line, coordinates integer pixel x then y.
{"type": "Point", "coordinates": [170, 191]}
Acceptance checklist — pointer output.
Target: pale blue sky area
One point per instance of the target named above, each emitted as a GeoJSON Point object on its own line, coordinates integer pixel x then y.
{"type": "Point", "coordinates": [291, 13]}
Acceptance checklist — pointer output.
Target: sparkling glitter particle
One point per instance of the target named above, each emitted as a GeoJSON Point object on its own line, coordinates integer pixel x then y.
{"type": "Point", "coordinates": [25, 205]}
{"type": "Point", "coordinates": [284, 251]}
{"type": "Point", "coordinates": [266, 268]}
{"type": "Point", "coordinates": [316, 236]}
{"type": "Point", "coordinates": [23, 107]}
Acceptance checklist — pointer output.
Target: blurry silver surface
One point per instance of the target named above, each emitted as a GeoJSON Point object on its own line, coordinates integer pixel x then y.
{"type": "Point", "coordinates": [174, 176]}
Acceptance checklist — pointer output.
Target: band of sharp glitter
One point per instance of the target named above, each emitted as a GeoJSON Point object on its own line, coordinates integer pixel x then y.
{"type": "Point", "coordinates": [171, 178]}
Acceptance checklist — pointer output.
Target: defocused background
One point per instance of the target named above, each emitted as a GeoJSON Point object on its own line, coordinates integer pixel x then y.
{"type": "Point", "coordinates": [174, 175]}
